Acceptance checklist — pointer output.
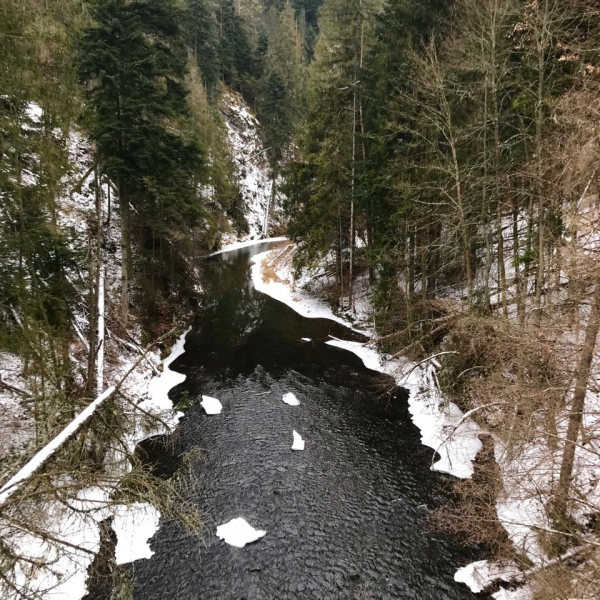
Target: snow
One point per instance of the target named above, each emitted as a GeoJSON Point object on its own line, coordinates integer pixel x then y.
{"type": "Point", "coordinates": [247, 244]}
{"type": "Point", "coordinates": [13, 484]}
{"type": "Point", "coordinates": [304, 304]}
{"type": "Point", "coordinates": [34, 112]}
{"type": "Point", "coordinates": [291, 399]}
{"type": "Point", "coordinates": [440, 422]}
{"type": "Point", "coordinates": [134, 525]}
{"type": "Point", "coordinates": [65, 577]}
{"type": "Point", "coordinates": [238, 533]}
{"type": "Point", "coordinates": [211, 405]}
{"type": "Point", "coordinates": [477, 575]}
{"type": "Point", "coordinates": [158, 402]}
{"type": "Point", "coordinates": [521, 593]}
{"type": "Point", "coordinates": [251, 160]}
{"type": "Point", "coordinates": [16, 423]}
{"type": "Point", "coordinates": [298, 442]}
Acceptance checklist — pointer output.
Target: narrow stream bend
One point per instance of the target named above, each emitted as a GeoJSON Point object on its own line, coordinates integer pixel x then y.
{"type": "Point", "coordinates": [345, 517]}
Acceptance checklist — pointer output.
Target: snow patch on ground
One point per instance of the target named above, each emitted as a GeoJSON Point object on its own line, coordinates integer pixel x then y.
{"type": "Point", "coordinates": [238, 533]}
{"type": "Point", "coordinates": [16, 423]}
{"type": "Point", "coordinates": [280, 285]}
{"type": "Point", "coordinates": [134, 526]}
{"type": "Point", "coordinates": [478, 575]}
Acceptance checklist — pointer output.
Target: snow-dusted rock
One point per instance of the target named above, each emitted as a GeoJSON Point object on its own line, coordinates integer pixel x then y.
{"type": "Point", "coordinates": [298, 442]}
{"type": "Point", "coordinates": [291, 399]}
{"type": "Point", "coordinates": [238, 533]}
{"type": "Point", "coordinates": [211, 405]}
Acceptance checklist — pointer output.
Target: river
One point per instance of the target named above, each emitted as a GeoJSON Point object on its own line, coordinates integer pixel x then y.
{"type": "Point", "coordinates": [346, 517]}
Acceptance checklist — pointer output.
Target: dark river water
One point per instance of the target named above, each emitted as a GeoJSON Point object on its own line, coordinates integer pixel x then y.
{"type": "Point", "coordinates": [345, 518]}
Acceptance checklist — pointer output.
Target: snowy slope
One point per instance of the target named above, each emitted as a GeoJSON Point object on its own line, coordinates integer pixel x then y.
{"type": "Point", "coordinates": [251, 160]}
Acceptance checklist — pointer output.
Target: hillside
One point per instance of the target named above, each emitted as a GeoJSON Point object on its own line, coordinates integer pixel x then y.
{"type": "Point", "coordinates": [430, 171]}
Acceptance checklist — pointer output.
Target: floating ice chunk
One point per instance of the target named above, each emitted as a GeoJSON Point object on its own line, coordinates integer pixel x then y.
{"type": "Point", "coordinates": [298, 442]}
{"type": "Point", "coordinates": [211, 405]}
{"type": "Point", "coordinates": [238, 533]}
{"type": "Point", "coordinates": [306, 340]}
{"type": "Point", "coordinates": [290, 399]}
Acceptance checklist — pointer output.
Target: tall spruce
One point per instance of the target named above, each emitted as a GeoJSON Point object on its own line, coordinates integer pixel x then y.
{"type": "Point", "coordinates": [133, 61]}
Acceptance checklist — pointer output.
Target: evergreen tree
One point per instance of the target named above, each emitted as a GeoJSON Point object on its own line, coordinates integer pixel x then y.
{"type": "Point", "coordinates": [134, 62]}
{"type": "Point", "coordinates": [282, 86]}
{"type": "Point", "coordinates": [330, 145]}
{"type": "Point", "coordinates": [202, 36]}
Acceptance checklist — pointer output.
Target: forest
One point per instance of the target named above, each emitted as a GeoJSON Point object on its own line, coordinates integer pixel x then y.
{"type": "Point", "coordinates": [435, 161]}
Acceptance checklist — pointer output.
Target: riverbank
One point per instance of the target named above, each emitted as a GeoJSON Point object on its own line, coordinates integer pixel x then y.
{"type": "Point", "coordinates": [444, 428]}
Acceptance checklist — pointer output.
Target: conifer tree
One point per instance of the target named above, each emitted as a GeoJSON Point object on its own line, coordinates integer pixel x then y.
{"type": "Point", "coordinates": [202, 37]}
{"type": "Point", "coordinates": [133, 60]}
{"type": "Point", "coordinates": [346, 32]}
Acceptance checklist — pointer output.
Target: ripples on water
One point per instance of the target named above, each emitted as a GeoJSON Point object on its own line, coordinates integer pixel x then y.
{"type": "Point", "coordinates": [345, 517]}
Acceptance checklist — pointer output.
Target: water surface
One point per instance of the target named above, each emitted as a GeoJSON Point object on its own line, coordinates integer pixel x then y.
{"type": "Point", "coordinates": [346, 517]}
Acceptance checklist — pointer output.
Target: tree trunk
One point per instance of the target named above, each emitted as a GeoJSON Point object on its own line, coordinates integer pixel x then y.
{"type": "Point", "coordinates": [351, 265]}
{"type": "Point", "coordinates": [518, 281]}
{"type": "Point", "coordinates": [94, 270]}
{"type": "Point", "coordinates": [575, 418]}
{"type": "Point", "coordinates": [125, 253]}
{"type": "Point", "coordinates": [501, 265]}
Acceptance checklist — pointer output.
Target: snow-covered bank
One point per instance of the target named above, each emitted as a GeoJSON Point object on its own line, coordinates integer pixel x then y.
{"type": "Point", "coordinates": [443, 426]}
{"type": "Point", "coordinates": [277, 281]}
{"type": "Point", "coordinates": [74, 527]}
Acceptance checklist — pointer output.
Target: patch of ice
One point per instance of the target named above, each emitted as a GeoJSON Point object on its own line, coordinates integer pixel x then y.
{"type": "Point", "coordinates": [298, 442]}
{"type": "Point", "coordinates": [291, 399]}
{"type": "Point", "coordinates": [238, 533]}
{"type": "Point", "coordinates": [135, 525]}
{"type": "Point", "coordinates": [211, 405]}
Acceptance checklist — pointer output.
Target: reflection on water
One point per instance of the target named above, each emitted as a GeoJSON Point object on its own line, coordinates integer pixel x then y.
{"type": "Point", "coordinates": [344, 518]}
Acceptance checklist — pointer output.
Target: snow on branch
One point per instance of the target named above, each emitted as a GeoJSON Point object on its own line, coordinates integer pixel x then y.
{"type": "Point", "coordinates": [46, 453]}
